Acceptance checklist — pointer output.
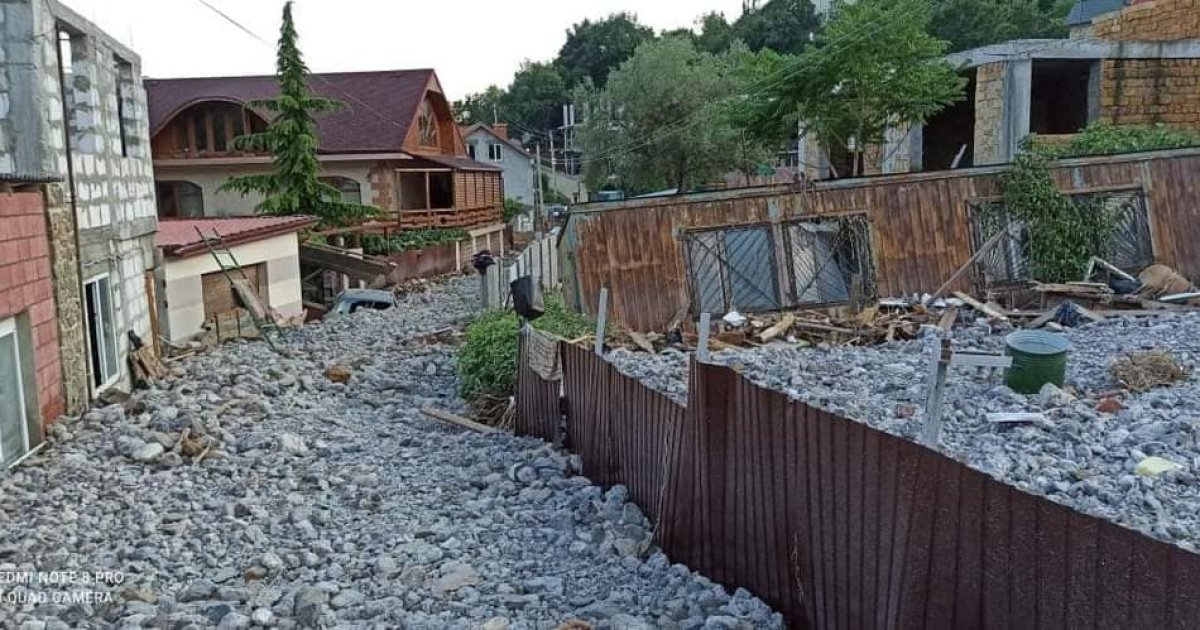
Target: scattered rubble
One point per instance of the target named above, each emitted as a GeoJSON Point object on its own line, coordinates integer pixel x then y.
{"type": "Point", "coordinates": [320, 503]}
{"type": "Point", "coordinates": [1081, 446]}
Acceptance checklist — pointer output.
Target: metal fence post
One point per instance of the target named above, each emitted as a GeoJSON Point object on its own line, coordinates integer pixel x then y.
{"type": "Point", "coordinates": [702, 343]}
{"type": "Point", "coordinates": [601, 314]}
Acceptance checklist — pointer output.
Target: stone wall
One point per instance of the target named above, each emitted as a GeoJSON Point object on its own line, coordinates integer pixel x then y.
{"type": "Point", "coordinates": [989, 114]}
{"type": "Point", "coordinates": [383, 183]}
{"type": "Point", "coordinates": [1161, 20]}
{"type": "Point", "coordinates": [1149, 91]}
{"type": "Point", "coordinates": [27, 294]}
{"type": "Point", "coordinates": [68, 298]}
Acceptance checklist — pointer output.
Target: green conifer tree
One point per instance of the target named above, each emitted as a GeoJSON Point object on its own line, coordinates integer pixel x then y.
{"type": "Point", "coordinates": [291, 139]}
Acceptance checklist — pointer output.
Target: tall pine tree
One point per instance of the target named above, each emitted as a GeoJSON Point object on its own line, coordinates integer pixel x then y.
{"type": "Point", "coordinates": [291, 139]}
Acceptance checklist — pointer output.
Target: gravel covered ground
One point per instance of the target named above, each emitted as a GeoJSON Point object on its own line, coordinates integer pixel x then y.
{"type": "Point", "coordinates": [1080, 456]}
{"type": "Point", "coordinates": [330, 505]}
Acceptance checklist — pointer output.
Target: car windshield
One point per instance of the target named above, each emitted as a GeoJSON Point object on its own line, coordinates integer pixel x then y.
{"type": "Point", "coordinates": [379, 306]}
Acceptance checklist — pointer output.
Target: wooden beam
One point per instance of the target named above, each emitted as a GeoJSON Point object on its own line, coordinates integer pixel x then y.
{"type": "Point", "coordinates": [428, 197]}
{"type": "Point", "coordinates": [985, 248]}
{"type": "Point", "coordinates": [446, 416]}
{"type": "Point", "coordinates": [991, 312]}
{"type": "Point", "coordinates": [777, 329]}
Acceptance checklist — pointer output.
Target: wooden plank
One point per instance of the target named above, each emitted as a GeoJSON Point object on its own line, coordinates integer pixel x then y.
{"type": "Point", "coordinates": [991, 312]}
{"type": "Point", "coordinates": [948, 318]}
{"type": "Point", "coordinates": [446, 416]}
{"type": "Point", "coordinates": [152, 302]}
{"type": "Point", "coordinates": [640, 340]}
{"type": "Point", "coordinates": [983, 249]}
{"type": "Point", "coordinates": [777, 329]}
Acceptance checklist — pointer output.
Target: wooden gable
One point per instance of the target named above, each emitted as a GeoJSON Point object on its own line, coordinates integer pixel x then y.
{"type": "Point", "coordinates": [434, 117]}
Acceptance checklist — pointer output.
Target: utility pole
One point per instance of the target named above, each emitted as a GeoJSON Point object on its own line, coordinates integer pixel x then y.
{"type": "Point", "coordinates": [495, 115]}
{"type": "Point", "coordinates": [553, 162]}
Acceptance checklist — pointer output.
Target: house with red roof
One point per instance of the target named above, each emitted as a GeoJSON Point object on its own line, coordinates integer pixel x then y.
{"type": "Point", "coordinates": [195, 293]}
{"type": "Point", "coordinates": [394, 145]}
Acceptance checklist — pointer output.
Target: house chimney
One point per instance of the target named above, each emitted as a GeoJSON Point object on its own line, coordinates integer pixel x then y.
{"type": "Point", "coordinates": [501, 130]}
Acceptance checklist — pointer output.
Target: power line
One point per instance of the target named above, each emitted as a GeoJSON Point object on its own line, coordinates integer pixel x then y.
{"type": "Point", "coordinates": [695, 117]}
{"type": "Point", "coordinates": [265, 42]}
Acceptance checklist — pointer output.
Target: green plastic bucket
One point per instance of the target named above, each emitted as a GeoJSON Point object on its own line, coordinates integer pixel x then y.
{"type": "Point", "coordinates": [1039, 357]}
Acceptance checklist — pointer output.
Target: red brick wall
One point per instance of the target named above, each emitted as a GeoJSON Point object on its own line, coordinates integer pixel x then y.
{"type": "Point", "coordinates": [25, 288]}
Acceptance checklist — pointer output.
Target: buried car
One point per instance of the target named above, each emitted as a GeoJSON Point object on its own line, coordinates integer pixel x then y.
{"type": "Point", "coordinates": [351, 300]}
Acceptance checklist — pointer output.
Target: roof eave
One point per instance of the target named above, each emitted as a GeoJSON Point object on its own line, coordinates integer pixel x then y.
{"type": "Point", "coordinates": [241, 238]}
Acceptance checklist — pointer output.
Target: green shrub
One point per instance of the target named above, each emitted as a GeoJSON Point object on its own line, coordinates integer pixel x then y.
{"type": "Point", "coordinates": [1106, 139]}
{"type": "Point", "coordinates": [512, 208]}
{"type": "Point", "coordinates": [377, 245]}
{"type": "Point", "coordinates": [487, 361]}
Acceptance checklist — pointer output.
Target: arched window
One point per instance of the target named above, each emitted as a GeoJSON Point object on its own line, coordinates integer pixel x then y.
{"type": "Point", "coordinates": [427, 124]}
{"type": "Point", "coordinates": [350, 189]}
{"type": "Point", "coordinates": [207, 130]}
{"type": "Point", "coordinates": [179, 199]}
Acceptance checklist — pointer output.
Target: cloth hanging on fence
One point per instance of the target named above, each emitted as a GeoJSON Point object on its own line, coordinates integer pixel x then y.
{"type": "Point", "coordinates": [541, 352]}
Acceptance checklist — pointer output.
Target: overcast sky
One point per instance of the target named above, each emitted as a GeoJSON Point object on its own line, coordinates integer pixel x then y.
{"type": "Point", "coordinates": [471, 43]}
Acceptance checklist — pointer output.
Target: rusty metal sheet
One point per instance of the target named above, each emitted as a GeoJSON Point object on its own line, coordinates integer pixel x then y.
{"type": "Point", "coordinates": [538, 406]}
{"type": "Point", "coordinates": [838, 525]}
{"type": "Point", "coordinates": [920, 231]}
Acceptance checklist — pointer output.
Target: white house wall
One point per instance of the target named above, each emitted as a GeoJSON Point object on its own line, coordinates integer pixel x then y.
{"type": "Point", "coordinates": [230, 204]}
{"type": "Point", "coordinates": [183, 295]}
{"type": "Point", "coordinates": [518, 169]}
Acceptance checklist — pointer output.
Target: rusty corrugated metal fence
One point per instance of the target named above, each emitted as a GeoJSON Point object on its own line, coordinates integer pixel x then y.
{"type": "Point", "coordinates": [839, 525]}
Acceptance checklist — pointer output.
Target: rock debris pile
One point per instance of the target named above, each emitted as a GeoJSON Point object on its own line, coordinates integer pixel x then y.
{"type": "Point", "coordinates": [254, 491]}
{"type": "Point", "coordinates": [1085, 454]}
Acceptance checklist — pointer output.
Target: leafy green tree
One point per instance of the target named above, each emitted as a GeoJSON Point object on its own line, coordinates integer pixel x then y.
{"type": "Point", "coordinates": [660, 123]}
{"type": "Point", "coordinates": [875, 67]}
{"type": "Point", "coordinates": [293, 188]}
{"type": "Point", "coordinates": [534, 100]}
{"type": "Point", "coordinates": [481, 107]}
{"type": "Point", "coordinates": [716, 34]}
{"type": "Point", "coordinates": [780, 25]}
{"type": "Point", "coordinates": [593, 49]}
{"type": "Point", "coordinates": [972, 23]}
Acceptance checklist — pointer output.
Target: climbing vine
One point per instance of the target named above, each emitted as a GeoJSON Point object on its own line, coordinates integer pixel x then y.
{"type": "Point", "coordinates": [1063, 232]}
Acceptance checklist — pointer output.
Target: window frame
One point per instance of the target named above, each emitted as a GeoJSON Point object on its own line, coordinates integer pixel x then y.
{"type": "Point", "coordinates": [8, 327]}
{"type": "Point", "coordinates": [105, 309]}
{"type": "Point", "coordinates": [495, 151]}
{"type": "Point", "coordinates": [858, 220]}
{"type": "Point", "coordinates": [1015, 248]}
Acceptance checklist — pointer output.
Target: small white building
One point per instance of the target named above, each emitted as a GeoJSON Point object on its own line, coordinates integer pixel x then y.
{"type": "Point", "coordinates": [491, 145]}
{"type": "Point", "coordinates": [195, 290]}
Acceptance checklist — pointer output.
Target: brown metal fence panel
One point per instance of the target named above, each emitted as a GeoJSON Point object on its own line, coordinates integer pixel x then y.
{"type": "Point", "coordinates": [620, 428]}
{"type": "Point", "coordinates": [538, 408]}
{"type": "Point", "coordinates": [838, 525]}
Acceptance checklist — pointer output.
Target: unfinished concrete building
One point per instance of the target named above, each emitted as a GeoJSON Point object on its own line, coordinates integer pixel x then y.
{"type": "Point", "coordinates": [72, 108]}
{"type": "Point", "coordinates": [1138, 65]}
{"type": "Point", "coordinates": [1126, 63]}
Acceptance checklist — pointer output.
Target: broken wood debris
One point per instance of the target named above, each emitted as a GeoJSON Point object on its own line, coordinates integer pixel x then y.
{"type": "Point", "coordinates": [446, 416]}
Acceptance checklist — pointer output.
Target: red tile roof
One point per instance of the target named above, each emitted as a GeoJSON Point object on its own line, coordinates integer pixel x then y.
{"type": "Point", "coordinates": [380, 106]}
{"type": "Point", "coordinates": [178, 237]}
